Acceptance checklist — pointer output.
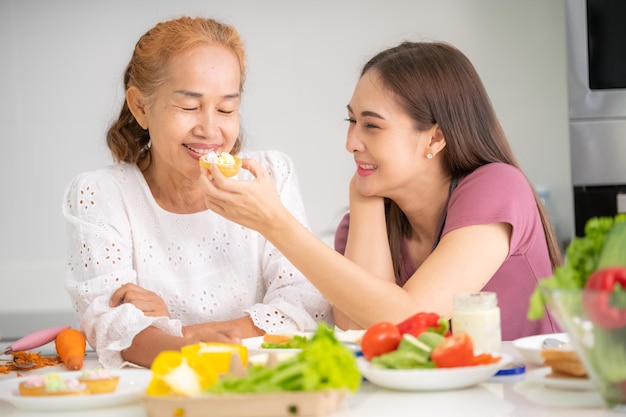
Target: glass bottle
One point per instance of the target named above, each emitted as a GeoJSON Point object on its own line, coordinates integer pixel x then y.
{"type": "Point", "coordinates": [478, 315]}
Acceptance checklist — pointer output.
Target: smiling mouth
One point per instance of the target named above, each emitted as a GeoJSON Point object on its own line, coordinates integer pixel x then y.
{"type": "Point", "coordinates": [197, 150]}
{"type": "Point", "coordinates": [367, 166]}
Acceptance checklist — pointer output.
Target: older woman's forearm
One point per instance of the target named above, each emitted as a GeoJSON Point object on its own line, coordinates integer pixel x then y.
{"type": "Point", "coordinates": [148, 343]}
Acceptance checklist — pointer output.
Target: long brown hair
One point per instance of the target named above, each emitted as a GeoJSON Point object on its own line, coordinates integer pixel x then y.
{"type": "Point", "coordinates": [435, 83]}
{"type": "Point", "coordinates": [126, 139]}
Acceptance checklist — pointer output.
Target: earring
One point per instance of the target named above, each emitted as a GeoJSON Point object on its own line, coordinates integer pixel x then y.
{"type": "Point", "coordinates": [429, 156]}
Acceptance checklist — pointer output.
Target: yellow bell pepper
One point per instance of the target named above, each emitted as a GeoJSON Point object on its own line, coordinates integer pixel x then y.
{"type": "Point", "coordinates": [178, 374]}
{"type": "Point", "coordinates": [219, 354]}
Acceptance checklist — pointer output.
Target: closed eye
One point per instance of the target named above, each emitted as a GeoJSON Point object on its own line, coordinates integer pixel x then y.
{"type": "Point", "coordinates": [367, 125]}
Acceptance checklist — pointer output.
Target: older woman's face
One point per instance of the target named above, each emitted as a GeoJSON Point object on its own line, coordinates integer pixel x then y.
{"type": "Point", "coordinates": [196, 109]}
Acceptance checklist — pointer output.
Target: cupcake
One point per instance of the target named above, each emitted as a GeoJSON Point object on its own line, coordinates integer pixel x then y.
{"type": "Point", "coordinates": [51, 384]}
{"type": "Point", "coordinates": [99, 381]}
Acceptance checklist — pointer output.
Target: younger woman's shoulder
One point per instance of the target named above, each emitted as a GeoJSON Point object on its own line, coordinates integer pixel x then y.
{"type": "Point", "coordinates": [497, 174]}
{"type": "Point", "coordinates": [498, 168]}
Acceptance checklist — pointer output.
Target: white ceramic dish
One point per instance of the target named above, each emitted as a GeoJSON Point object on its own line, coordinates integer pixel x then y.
{"type": "Point", "coordinates": [352, 338]}
{"type": "Point", "coordinates": [530, 347]}
{"type": "Point", "coordinates": [571, 384]}
{"type": "Point", "coordinates": [430, 379]}
{"type": "Point", "coordinates": [132, 384]}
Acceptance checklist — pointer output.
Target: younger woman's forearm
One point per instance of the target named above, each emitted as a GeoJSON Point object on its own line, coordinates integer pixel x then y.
{"type": "Point", "coordinates": [367, 242]}
{"type": "Point", "coordinates": [351, 288]}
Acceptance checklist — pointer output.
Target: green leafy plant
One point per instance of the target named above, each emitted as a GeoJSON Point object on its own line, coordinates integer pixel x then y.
{"type": "Point", "coordinates": [323, 363]}
{"type": "Point", "coordinates": [582, 259]}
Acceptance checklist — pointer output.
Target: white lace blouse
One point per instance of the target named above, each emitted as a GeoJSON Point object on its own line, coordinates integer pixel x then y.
{"type": "Point", "coordinates": [205, 267]}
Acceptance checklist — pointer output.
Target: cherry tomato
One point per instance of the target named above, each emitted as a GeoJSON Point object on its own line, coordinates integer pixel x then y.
{"type": "Point", "coordinates": [380, 338]}
{"type": "Point", "coordinates": [456, 350]}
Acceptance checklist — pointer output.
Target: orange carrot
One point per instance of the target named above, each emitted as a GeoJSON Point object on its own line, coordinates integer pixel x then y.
{"type": "Point", "coordinates": [71, 345]}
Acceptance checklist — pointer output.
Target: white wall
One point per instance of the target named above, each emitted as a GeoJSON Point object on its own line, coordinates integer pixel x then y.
{"type": "Point", "coordinates": [60, 84]}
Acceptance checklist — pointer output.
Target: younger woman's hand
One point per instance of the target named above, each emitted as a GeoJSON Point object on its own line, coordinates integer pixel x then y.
{"type": "Point", "coordinates": [357, 198]}
{"type": "Point", "coordinates": [147, 301]}
{"type": "Point", "coordinates": [254, 204]}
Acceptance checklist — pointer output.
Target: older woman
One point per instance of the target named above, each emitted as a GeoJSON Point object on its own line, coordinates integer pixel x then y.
{"type": "Point", "coordinates": [149, 267]}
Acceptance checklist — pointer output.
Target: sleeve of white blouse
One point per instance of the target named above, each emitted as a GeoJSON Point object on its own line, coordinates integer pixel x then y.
{"type": "Point", "coordinates": [99, 261]}
{"type": "Point", "coordinates": [291, 302]}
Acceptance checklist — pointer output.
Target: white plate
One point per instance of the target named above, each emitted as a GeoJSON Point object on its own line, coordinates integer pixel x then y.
{"type": "Point", "coordinates": [430, 379]}
{"type": "Point", "coordinates": [352, 339]}
{"type": "Point", "coordinates": [350, 336]}
{"type": "Point", "coordinates": [571, 384]}
{"type": "Point", "coordinates": [133, 382]}
{"type": "Point", "coordinates": [530, 347]}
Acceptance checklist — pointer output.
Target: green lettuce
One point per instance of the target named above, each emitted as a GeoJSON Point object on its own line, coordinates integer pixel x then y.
{"type": "Point", "coordinates": [412, 352]}
{"type": "Point", "coordinates": [581, 259]}
{"type": "Point", "coordinates": [296, 342]}
{"type": "Point", "coordinates": [323, 363]}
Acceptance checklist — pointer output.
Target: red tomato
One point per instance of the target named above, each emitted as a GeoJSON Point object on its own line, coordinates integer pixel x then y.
{"type": "Point", "coordinates": [456, 350]}
{"type": "Point", "coordinates": [380, 338]}
{"type": "Point", "coordinates": [419, 323]}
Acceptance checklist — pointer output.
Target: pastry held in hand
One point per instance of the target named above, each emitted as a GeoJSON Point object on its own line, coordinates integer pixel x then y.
{"type": "Point", "coordinates": [229, 165]}
{"type": "Point", "coordinates": [34, 340]}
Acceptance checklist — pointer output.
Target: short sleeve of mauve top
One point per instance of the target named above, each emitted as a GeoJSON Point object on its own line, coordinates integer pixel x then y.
{"type": "Point", "coordinates": [493, 193]}
{"type": "Point", "coordinates": [499, 192]}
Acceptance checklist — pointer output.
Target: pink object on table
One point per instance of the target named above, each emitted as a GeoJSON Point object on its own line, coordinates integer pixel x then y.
{"type": "Point", "coordinates": [34, 340]}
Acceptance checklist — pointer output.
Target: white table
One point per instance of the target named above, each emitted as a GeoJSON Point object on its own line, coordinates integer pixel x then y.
{"type": "Point", "coordinates": [508, 396]}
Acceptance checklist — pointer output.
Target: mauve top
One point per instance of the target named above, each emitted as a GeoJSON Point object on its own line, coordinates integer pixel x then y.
{"type": "Point", "coordinates": [494, 193]}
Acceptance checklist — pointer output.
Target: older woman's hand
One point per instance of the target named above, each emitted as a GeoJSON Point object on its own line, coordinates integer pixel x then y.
{"type": "Point", "coordinates": [147, 301]}
{"type": "Point", "coordinates": [254, 204]}
{"type": "Point", "coordinates": [210, 332]}
{"type": "Point", "coordinates": [229, 331]}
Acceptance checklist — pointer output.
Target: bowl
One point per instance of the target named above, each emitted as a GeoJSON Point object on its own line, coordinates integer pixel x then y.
{"type": "Point", "coordinates": [595, 322]}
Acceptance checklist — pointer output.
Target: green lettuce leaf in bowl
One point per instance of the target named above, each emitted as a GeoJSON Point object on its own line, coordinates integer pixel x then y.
{"type": "Point", "coordinates": [582, 258]}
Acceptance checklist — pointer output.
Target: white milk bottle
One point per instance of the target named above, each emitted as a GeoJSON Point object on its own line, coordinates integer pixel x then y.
{"type": "Point", "coordinates": [478, 315]}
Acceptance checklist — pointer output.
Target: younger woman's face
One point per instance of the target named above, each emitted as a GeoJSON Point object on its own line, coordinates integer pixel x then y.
{"type": "Point", "coordinates": [195, 110]}
{"type": "Point", "coordinates": [387, 148]}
